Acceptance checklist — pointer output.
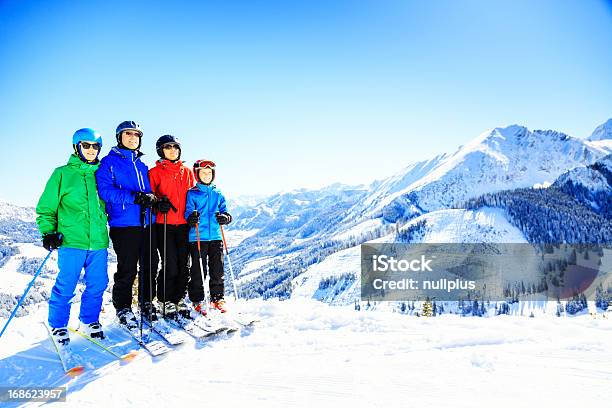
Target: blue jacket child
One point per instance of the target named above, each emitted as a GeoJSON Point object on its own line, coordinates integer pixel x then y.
{"type": "Point", "coordinates": [207, 211]}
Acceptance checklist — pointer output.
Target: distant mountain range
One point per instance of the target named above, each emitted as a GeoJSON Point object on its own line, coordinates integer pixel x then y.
{"type": "Point", "coordinates": [279, 238]}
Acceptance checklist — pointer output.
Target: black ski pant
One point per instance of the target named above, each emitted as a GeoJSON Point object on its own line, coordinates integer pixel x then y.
{"type": "Point", "coordinates": [131, 244]}
{"type": "Point", "coordinates": [212, 260]}
{"type": "Point", "coordinates": [177, 262]}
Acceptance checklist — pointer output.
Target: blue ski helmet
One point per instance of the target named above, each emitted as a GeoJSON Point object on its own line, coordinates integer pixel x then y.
{"type": "Point", "coordinates": [127, 125]}
{"type": "Point", "coordinates": [85, 135]}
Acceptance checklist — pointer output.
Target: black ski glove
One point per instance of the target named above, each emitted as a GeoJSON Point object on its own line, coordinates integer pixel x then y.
{"type": "Point", "coordinates": [223, 218]}
{"type": "Point", "coordinates": [145, 199]}
{"type": "Point", "coordinates": [164, 205]}
{"type": "Point", "coordinates": [52, 241]}
{"type": "Point", "coordinates": [193, 219]}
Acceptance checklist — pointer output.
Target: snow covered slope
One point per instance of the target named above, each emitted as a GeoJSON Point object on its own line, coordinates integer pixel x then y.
{"type": "Point", "coordinates": [340, 272]}
{"type": "Point", "coordinates": [305, 353]}
{"type": "Point", "coordinates": [13, 212]}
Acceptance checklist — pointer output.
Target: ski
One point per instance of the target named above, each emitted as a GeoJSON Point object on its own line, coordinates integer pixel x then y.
{"type": "Point", "coordinates": [191, 328]}
{"type": "Point", "coordinates": [106, 345]}
{"type": "Point", "coordinates": [71, 365]}
{"type": "Point", "coordinates": [153, 347]}
{"type": "Point", "coordinates": [171, 335]}
{"type": "Point", "coordinates": [244, 320]}
{"type": "Point", "coordinates": [209, 325]}
{"type": "Point", "coordinates": [229, 320]}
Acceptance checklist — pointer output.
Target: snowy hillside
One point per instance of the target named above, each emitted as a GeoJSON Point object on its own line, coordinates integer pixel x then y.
{"type": "Point", "coordinates": [336, 279]}
{"type": "Point", "coordinates": [16, 213]}
{"type": "Point", "coordinates": [305, 353]}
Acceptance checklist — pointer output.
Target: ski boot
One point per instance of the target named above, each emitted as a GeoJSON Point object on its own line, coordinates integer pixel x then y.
{"type": "Point", "coordinates": [219, 305]}
{"type": "Point", "coordinates": [60, 336]}
{"type": "Point", "coordinates": [149, 312]}
{"type": "Point", "coordinates": [183, 311]}
{"type": "Point", "coordinates": [200, 307]}
{"type": "Point", "coordinates": [169, 310]}
{"type": "Point", "coordinates": [93, 330]}
{"type": "Point", "coordinates": [127, 318]}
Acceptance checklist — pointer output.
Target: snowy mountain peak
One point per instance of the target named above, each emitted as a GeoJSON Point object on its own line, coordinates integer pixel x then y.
{"type": "Point", "coordinates": [498, 159]}
{"type": "Point", "coordinates": [602, 132]}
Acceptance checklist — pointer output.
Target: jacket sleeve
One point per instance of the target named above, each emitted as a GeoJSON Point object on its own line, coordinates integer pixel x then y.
{"type": "Point", "coordinates": [48, 204]}
{"type": "Point", "coordinates": [189, 204]}
{"type": "Point", "coordinates": [222, 205]}
{"type": "Point", "coordinates": [107, 189]}
{"type": "Point", "coordinates": [191, 178]}
{"type": "Point", "coordinates": [154, 180]}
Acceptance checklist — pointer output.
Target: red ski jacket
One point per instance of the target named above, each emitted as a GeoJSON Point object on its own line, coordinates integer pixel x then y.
{"type": "Point", "coordinates": [172, 180]}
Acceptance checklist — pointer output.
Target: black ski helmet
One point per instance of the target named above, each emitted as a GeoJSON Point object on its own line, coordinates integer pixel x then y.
{"type": "Point", "coordinates": [166, 139]}
{"type": "Point", "coordinates": [128, 125]}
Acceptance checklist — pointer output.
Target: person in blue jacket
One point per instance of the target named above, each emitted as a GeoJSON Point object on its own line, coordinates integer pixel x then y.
{"type": "Point", "coordinates": [206, 210]}
{"type": "Point", "coordinates": [123, 184]}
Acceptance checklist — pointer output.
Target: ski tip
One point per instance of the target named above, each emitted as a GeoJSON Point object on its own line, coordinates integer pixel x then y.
{"type": "Point", "coordinates": [129, 356]}
{"type": "Point", "coordinates": [75, 371]}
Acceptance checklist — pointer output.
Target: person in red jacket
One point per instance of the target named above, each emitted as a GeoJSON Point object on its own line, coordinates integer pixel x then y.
{"type": "Point", "coordinates": [170, 181]}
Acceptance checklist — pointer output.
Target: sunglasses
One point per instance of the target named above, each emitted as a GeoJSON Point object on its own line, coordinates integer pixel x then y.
{"type": "Point", "coordinates": [171, 146]}
{"type": "Point", "coordinates": [87, 146]}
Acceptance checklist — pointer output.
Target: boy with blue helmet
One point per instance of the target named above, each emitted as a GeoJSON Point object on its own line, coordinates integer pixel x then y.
{"type": "Point", "coordinates": [71, 218]}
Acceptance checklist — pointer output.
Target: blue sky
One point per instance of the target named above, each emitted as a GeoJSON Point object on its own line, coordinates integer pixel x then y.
{"type": "Point", "coordinates": [287, 94]}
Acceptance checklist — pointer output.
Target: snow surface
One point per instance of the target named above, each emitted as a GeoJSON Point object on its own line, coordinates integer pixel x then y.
{"type": "Point", "coordinates": [305, 353]}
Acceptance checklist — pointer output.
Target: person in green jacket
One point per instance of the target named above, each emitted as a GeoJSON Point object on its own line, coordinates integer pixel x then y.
{"type": "Point", "coordinates": [71, 218]}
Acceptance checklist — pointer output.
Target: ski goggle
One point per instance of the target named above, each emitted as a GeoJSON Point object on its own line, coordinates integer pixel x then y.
{"type": "Point", "coordinates": [87, 146]}
{"type": "Point", "coordinates": [202, 164]}
{"type": "Point", "coordinates": [171, 146]}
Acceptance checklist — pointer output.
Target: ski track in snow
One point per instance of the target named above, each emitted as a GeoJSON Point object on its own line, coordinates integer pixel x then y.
{"type": "Point", "coordinates": [306, 353]}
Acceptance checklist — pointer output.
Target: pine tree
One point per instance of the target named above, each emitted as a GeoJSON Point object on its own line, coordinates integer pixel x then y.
{"type": "Point", "coordinates": [427, 308]}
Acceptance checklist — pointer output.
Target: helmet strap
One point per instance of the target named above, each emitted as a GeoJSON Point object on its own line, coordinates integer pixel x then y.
{"type": "Point", "coordinates": [79, 153]}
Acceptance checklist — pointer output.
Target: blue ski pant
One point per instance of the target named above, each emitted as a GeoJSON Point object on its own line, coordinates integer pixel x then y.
{"type": "Point", "coordinates": [71, 262]}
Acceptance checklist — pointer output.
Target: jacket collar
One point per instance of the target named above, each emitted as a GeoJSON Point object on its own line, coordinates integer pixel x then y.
{"type": "Point", "coordinates": [167, 164]}
{"type": "Point", "coordinates": [127, 153]}
{"type": "Point", "coordinates": [204, 187]}
{"type": "Point", "coordinates": [75, 161]}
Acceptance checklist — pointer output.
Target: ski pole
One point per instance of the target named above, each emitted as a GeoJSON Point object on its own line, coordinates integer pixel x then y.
{"type": "Point", "coordinates": [25, 292]}
{"type": "Point", "coordinates": [143, 221]}
{"type": "Point", "coordinates": [229, 262]}
{"type": "Point", "coordinates": [151, 264]}
{"type": "Point", "coordinates": [164, 265]}
{"type": "Point", "coordinates": [204, 280]}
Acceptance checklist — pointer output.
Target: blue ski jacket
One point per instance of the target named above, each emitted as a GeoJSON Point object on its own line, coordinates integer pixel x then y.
{"type": "Point", "coordinates": [206, 200]}
{"type": "Point", "coordinates": [121, 175]}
